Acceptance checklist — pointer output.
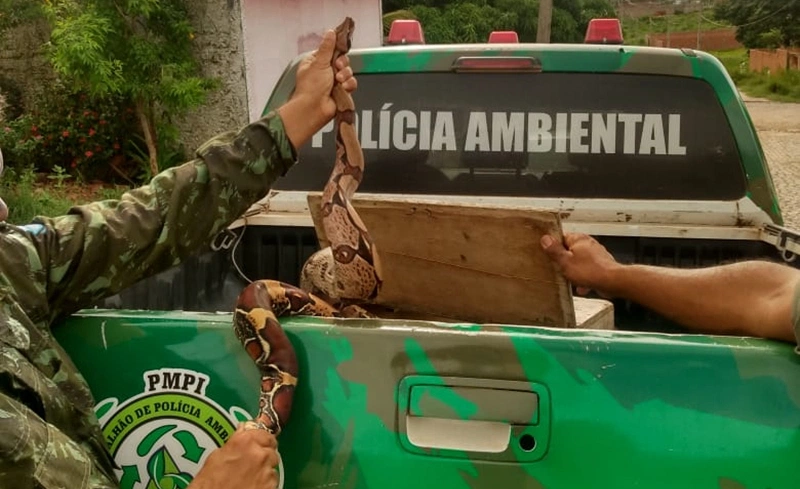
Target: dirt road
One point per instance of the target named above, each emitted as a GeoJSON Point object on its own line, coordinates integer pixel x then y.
{"type": "Point", "coordinates": [778, 126]}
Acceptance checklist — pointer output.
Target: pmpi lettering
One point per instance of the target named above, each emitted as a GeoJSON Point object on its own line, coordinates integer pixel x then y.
{"type": "Point", "coordinates": [176, 380]}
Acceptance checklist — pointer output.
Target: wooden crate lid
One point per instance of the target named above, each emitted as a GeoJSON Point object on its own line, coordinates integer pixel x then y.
{"type": "Point", "coordinates": [475, 263]}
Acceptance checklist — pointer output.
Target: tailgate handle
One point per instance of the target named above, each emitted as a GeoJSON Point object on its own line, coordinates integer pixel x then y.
{"type": "Point", "coordinates": [500, 420]}
{"type": "Point", "coordinates": [479, 404]}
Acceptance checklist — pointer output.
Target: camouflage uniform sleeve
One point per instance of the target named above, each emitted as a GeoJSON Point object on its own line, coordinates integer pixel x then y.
{"type": "Point", "coordinates": [35, 453]}
{"type": "Point", "coordinates": [796, 316]}
{"type": "Point", "coordinates": [98, 249]}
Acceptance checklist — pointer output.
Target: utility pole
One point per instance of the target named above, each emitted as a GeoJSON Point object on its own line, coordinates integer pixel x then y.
{"type": "Point", "coordinates": [668, 43]}
{"type": "Point", "coordinates": [699, 23]}
{"type": "Point", "coordinates": [545, 18]}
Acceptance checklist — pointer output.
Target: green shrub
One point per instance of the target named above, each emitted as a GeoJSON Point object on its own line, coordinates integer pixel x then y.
{"type": "Point", "coordinates": [27, 196]}
{"type": "Point", "coordinates": [71, 130]}
{"type": "Point", "coordinates": [24, 200]}
{"type": "Point", "coordinates": [11, 106]}
{"type": "Point", "coordinates": [781, 86]}
{"type": "Point", "coordinates": [140, 50]}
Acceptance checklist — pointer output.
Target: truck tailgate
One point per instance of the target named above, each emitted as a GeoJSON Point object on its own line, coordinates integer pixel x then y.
{"type": "Point", "coordinates": [397, 404]}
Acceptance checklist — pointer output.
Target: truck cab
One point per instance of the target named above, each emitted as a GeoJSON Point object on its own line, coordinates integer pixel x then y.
{"type": "Point", "coordinates": [650, 150]}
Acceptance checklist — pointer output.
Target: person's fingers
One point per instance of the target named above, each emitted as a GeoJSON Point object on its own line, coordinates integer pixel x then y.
{"type": "Point", "coordinates": [259, 435]}
{"type": "Point", "coordinates": [324, 53]}
{"type": "Point", "coordinates": [264, 438]}
{"type": "Point", "coordinates": [344, 74]}
{"type": "Point", "coordinates": [271, 478]}
{"type": "Point", "coordinates": [250, 425]}
{"type": "Point", "coordinates": [350, 85]}
{"type": "Point", "coordinates": [554, 249]}
{"type": "Point", "coordinates": [272, 458]}
{"type": "Point", "coordinates": [570, 239]}
{"type": "Point", "coordinates": [342, 62]}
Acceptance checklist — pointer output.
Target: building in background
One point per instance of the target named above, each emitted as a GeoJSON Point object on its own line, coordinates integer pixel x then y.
{"type": "Point", "coordinates": [244, 44]}
{"type": "Point", "coordinates": [275, 31]}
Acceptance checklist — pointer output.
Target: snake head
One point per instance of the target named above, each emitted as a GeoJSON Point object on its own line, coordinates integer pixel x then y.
{"type": "Point", "coordinates": [344, 36]}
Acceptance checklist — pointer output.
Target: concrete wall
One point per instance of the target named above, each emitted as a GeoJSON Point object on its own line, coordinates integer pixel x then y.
{"type": "Point", "coordinates": [633, 9]}
{"type": "Point", "coordinates": [219, 49]}
{"type": "Point", "coordinates": [246, 44]}
{"type": "Point", "coordinates": [774, 60]}
{"type": "Point", "coordinates": [713, 40]}
{"type": "Point", "coordinates": [276, 31]}
{"type": "Point", "coordinates": [22, 60]}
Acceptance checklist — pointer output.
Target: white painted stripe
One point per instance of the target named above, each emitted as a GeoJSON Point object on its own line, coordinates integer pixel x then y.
{"type": "Point", "coordinates": [740, 219]}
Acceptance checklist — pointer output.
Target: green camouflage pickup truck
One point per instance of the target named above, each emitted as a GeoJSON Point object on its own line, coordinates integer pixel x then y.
{"type": "Point", "coordinates": [649, 149]}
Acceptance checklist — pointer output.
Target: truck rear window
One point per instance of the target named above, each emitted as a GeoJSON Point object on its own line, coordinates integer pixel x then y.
{"type": "Point", "coordinates": [536, 135]}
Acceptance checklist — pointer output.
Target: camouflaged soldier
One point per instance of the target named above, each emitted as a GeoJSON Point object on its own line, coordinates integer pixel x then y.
{"type": "Point", "coordinates": [750, 298]}
{"type": "Point", "coordinates": [49, 434]}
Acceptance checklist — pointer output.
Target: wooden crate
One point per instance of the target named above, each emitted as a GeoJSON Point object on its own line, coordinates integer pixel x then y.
{"type": "Point", "coordinates": [472, 263]}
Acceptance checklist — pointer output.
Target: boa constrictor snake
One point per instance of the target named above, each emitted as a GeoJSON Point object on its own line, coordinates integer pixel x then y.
{"type": "Point", "coordinates": [345, 273]}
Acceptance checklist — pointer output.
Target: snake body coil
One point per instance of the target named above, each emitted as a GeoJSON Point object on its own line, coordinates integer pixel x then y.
{"type": "Point", "coordinates": [344, 273]}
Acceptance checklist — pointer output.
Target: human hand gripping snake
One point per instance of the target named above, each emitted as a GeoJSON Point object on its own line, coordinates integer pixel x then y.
{"type": "Point", "coordinates": [345, 273]}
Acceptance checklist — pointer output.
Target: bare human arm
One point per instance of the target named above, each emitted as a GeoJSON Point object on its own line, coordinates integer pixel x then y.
{"type": "Point", "coordinates": [750, 298]}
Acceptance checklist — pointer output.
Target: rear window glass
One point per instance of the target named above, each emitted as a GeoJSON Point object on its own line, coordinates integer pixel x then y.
{"type": "Point", "coordinates": [535, 135]}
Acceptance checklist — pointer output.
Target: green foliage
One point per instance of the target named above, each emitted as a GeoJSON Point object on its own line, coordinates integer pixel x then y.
{"type": "Point", "coordinates": [526, 14]}
{"type": "Point", "coordinates": [771, 39]}
{"type": "Point", "coordinates": [15, 12]}
{"type": "Point", "coordinates": [392, 5]}
{"type": "Point", "coordinates": [72, 130]}
{"type": "Point", "coordinates": [59, 175]}
{"type": "Point", "coordinates": [763, 23]}
{"type": "Point", "coordinates": [27, 198]}
{"type": "Point", "coordinates": [10, 100]}
{"type": "Point", "coordinates": [17, 187]}
{"type": "Point", "coordinates": [636, 30]}
{"type": "Point", "coordinates": [462, 23]}
{"type": "Point", "coordinates": [735, 63]}
{"type": "Point", "coordinates": [143, 50]}
{"type": "Point", "coordinates": [24, 201]}
{"type": "Point", "coordinates": [170, 153]}
{"type": "Point", "coordinates": [468, 21]}
{"type": "Point", "coordinates": [564, 27]}
{"type": "Point", "coordinates": [783, 86]}
{"type": "Point", "coordinates": [597, 9]}
{"type": "Point", "coordinates": [396, 15]}
{"type": "Point", "coordinates": [19, 143]}
{"type": "Point", "coordinates": [140, 50]}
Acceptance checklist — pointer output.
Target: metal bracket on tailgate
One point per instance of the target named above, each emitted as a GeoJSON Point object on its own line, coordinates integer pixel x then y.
{"type": "Point", "coordinates": [785, 240]}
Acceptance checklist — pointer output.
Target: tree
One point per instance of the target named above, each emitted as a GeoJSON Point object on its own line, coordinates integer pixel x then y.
{"type": "Point", "coordinates": [138, 49]}
{"type": "Point", "coordinates": [457, 21]}
{"type": "Point", "coordinates": [527, 15]}
{"type": "Point", "coordinates": [763, 23]}
{"type": "Point", "coordinates": [392, 5]}
{"type": "Point", "coordinates": [594, 9]}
